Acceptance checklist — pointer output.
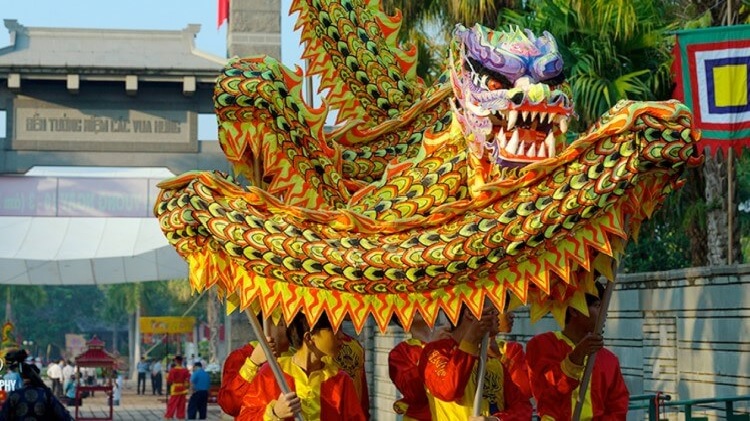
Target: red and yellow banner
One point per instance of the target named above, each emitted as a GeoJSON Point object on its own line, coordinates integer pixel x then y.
{"type": "Point", "coordinates": [167, 324]}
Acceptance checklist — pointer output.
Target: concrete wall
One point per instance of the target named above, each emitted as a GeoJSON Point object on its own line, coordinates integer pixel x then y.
{"type": "Point", "coordinates": [254, 28]}
{"type": "Point", "coordinates": [682, 332]}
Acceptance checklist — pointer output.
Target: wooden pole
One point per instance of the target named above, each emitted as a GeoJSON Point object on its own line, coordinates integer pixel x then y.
{"type": "Point", "coordinates": [590, 360]}
{"type": "Point", "coordinates": [730, 204]}
{"type": "Point", "coordinates": [270, 358]}
{"type": "Point", "coordinates": [480, 374]}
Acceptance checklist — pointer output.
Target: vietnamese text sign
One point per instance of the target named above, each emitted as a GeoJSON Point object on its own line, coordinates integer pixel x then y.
{"type": "Point", "coordinates": [167, 324]}
{"type": "Point", "coordinates": [47, 125]}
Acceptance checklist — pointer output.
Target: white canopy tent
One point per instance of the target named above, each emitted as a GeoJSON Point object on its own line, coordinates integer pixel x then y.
{"type": "Point", "coordinates": [85, 250]}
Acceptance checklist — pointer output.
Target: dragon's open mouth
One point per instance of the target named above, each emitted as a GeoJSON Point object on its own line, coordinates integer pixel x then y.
{"type": "Point", "coordinates": [527, 135]}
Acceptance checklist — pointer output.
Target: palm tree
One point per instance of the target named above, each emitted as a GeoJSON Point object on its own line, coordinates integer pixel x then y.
{"type": "Point", "coordinates": [21, 294]}
{"type": "Point", "coordinates": [612, 50]}
{"type": "Point", "coordinates": [429, 25]}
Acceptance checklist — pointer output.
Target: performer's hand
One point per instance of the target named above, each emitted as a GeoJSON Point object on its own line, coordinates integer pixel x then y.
{"type": "Point", "coordinates": [486, 324]}
{"type": "Point", "coordinates": [588, 345]}
{"type": "Point", "coordinates": [494, 349]}
{"type": "Point", "coordinates": [482, 418]}
{"type": "Point", "coordinates": [440, 332]}
{"type": "Point", "coordinates": [258, 357]}
{"type": "Point", "coordinates": [287, 406]}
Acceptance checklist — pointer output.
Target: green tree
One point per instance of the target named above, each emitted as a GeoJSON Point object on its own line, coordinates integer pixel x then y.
{"type": "Point", "coordinates": [612, 50]}
{"type": "Point", "coordinates": [21, 295]}
{"type": "Point", "coordinates": [429, 25]}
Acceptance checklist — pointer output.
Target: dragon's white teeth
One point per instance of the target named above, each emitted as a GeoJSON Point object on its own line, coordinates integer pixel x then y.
{"type": "Point", "coordinates": [550, 117]}
{"type": "Point", "coordinates": [531, 153]}
{"type": "Point", "coordinates": [483, 80]}
{"type": "Point", "coordinates": [501, 136]}
{"type": "Point", "coordinates": [564, 124]}
{"type": "Point", "coordinates": [514, 143]}
{"type": "Point", "coordinates": [512, 117]}
{"type": "Point", "coordinates": [477, 109]}
{"type": "Point", "coordinates": [533, 115]}
{"type": "Point", "coordinates": [550, 142]}
{"type": "Point", "coordinates": [542, 116]}
{"type": "Point", "coordinates": [541, 153]}
{"type": "Point", "coordinates": [525, 115]}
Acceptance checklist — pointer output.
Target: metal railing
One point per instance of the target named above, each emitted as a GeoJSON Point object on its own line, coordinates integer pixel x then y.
{"type": "Point", "coordinates": [724, 407]}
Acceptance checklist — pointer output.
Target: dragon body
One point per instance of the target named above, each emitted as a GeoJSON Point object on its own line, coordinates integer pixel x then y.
{"type": "Point", "coordinates": [422, 198]}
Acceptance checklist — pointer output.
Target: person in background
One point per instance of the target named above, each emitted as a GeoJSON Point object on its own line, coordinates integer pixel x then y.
{"type": "Point", "coordinates": [556, 361]}
{"type": "Point", "coordinates": [243, 363]}
{"type": "Point", "coordinates": [34, 401]}
{"type": "Point", "coordinates": [89, 376]}
{"type": "Point", "coordinates": [142, 370]}
{"type": "Point", "coordinates": [156, 378]}
{"type": "Point", "coordinates": [326, 392]}
{"type": "Point", "coordinates": [54, 372]}
{"type": "Point", "coordinates": [71, 387]}
{"type": "Point", "coordinates": [117, 388]}
{"type": "Point", "coordinates": [449, 370]}
{"type": "Point", "coordinates": [200, 382]}
{"type": "Point", "coordinates": [68, 370]}
{"type": "Point", "coordinates": [403, 369]}
{"type": "Point", "coordinates": [178, 380]}
{"type": "Point", "coordinates": [13, 377]}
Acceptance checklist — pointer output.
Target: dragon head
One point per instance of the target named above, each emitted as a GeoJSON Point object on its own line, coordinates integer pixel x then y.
{"type": "Point", "coordinates": [512, 100]}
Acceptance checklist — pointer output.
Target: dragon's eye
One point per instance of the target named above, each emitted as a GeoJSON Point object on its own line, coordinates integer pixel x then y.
{"type": "Point", "coordinates": [494, 84]}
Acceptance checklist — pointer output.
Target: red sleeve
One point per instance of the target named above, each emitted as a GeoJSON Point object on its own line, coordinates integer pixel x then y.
{"type": "Point", "coordinates": [617, 394]}
{"type": "Point", "coordinates": [234, 386]}
{"type": "Point", "coordinates": [514, 362]}
{"type": "Point", "coordinates": [446, 369]}
{"type": "Point", "coordinates": [517, 406]}
{"type": "Point", "coordinates": [351, 405]}
{"type": "Point", "coordinates": [551, 386]}
{"type": "Point", "coordinates": [403, 368]}
{"type": "Point", "coordinates": [262, 390]}
{"type": "Point", "coordinates": [365, 395]}
{"type": "Point", "coordinates": [235, 360]}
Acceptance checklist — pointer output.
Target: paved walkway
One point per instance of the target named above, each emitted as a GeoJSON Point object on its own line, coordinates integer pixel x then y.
{"type": "Point", "coordinates": [134, 407]}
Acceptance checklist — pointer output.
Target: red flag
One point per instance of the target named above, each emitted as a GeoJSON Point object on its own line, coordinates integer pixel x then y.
{"type": "Point", "coordinates": [223, 12]}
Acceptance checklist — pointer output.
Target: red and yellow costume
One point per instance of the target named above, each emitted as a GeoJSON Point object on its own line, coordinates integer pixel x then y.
{"type": "Point", "coordinates": [327, 394]}
{"type": "Point", "coordinates": [514, 362]}
{"type": "Point", "coordinates": [178, 380]}
{"type": "Point", "coordinates": [351, 359]}
{"type": "Point", "coordinates": [403, 368]}
{"type": "Point", "coordinates": [449, 371]}
{"type": "Point", "coordinates": [238, 372]}
{"type": "Point", "coordinates": [555, 379]}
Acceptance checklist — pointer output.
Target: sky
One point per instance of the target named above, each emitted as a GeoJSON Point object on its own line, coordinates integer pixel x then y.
{"type": "Point", "coordinates": [138, 14]}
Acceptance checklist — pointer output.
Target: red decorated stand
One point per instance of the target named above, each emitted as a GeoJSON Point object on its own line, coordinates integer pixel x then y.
{"type": "Point", "coordinates": [94, 356]}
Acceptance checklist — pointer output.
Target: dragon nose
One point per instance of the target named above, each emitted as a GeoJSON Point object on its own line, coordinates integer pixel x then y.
{"type": "Point", "coordinates": [523, 82]}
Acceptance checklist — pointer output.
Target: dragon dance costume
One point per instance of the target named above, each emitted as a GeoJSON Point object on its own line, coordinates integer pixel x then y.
{"type": "Point", "coordinates": [555, 380]}
{"type": "Point", "coordinates": [449, 372]}
{"type": "Point", "coordinates": [513, 359]}
{"type": "Point", "coordinates": [403, 369]}
{"type": "Point", "coordinates": [421, 199]}
{"type": "Point", "coordinates": [237, 373]}
{"type": "Point", "coordinates": [351, 358]}
{"type": "Point", "coordinates": [326, 394]}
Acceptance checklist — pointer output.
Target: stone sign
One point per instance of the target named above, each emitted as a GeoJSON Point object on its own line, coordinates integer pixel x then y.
{"type": "Point", "coordinates": [102, 126]}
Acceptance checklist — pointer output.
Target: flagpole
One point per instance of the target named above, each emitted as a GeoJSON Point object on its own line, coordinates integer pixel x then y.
{"type": "Point", "coordinates": [589, 370]}
{"type": "Point", "coordinates": [730, 203]}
